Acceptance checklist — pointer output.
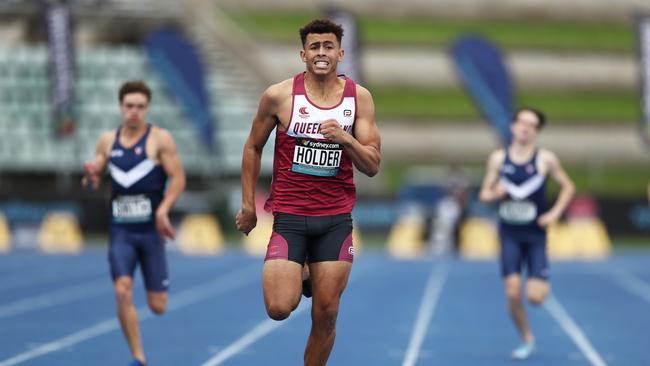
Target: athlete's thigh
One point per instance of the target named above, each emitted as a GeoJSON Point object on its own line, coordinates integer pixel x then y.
{"type": "Point", "coordinates": [536, 257]}
{"type": "Point", "coordinates": [335, 244]}
{"type": "Point", "coordinates": [289, 239]}
{"type": "Point", "coordinates": [122, 253]}
{"type": "Point", "coordinates": [282, 282]}
{"type": "Point", "coordinates": [153, 261]}
{"type": "Point", "coordinates": [511, 254]}
{"type": "Point", "coordinates": [329, 279]}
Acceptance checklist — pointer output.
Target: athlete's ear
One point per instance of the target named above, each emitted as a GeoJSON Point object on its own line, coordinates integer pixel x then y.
{"type": "Point", "coordinates": [303, 56]}
{"type": "Point", "coordinates": [341, 54]}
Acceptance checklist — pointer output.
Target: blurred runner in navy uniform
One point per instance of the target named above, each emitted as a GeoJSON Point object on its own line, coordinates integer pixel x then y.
{"type": "Point", "coordinates": [516, 177]}
{"type": "Point", "coordinates": [140, 158]}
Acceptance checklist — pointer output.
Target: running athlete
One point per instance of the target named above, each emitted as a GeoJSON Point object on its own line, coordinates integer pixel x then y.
{"type": "Point", "coordinates": [324, 124]}
{"type": "Point", "coordinates": [516, 177]}
{"type": "Point", "coordinates": [140, 158]}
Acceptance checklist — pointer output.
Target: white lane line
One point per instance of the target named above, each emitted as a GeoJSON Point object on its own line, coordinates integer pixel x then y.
{"type": "Point", "coordinates": [31, 280]}
{"type": "Point", "coordinates": [262, 329]}
{"type": "Point", "coordinates": [58, 297]}
{"type": "Point", "coordinates": [573, 331]}
{"type": "Point", "coordinates": [425, 313]}
{"type": "Point", "coordinates": [221, 284]}
{"type": "Point", "coordinates": [634, 285]}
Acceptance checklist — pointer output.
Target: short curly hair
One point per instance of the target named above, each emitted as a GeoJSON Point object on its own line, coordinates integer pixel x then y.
{"type": "Point", "coordinates": [320, 26]}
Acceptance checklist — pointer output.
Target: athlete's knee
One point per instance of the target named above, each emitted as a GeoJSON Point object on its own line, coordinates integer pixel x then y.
{"type": "Point", "coordinates": [537, 297]}
{"type": "Point", "coordinates": [124, 290]}
{"type": "Point", "coordinates": [513, 294]}
{"type": "Point", "coordinates": [158, 306]}
{"type": "Point", "coordinates": [279, 311]}
{"type": "Point", "coordinates": [325, 314]}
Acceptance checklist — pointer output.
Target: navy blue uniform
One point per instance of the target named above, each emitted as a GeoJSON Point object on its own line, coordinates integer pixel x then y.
{"type": "Point", "coordinates": [523, 241]}
{"type": "Point", "coordinates": [137, 189]}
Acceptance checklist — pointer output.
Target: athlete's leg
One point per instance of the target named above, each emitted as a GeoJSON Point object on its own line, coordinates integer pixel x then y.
{"type": "Point", "coordinates": [123, 258]}
{"type": "Point", "coordinates": [516, 306]}
{"type": "Point", "coordinates": [282, 286]}
{"type": "Point", "coordinates": [328, 282]}
{"type": "Point", "coordinates": [153, 261]}
{"type": "Point", "coordinates": [128, 316]}
{"type": "Point", "coordinates": [282, 273]}
{"type": "Point", "coordinates": [511, 258]}
{"type": "Point", "coordinates": [331, 256]}
{"type": "Point", "coordinates": [538, 286]}
{"type": "Point", "coordinates": [537, 290]}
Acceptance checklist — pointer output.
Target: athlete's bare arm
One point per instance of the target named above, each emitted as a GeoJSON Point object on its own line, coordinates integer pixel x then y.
{"type": "Point", "coordinates": [263, 123]}
{"type": "Point", "coordinates": [491, 189]}
{"type": "Point", "coordinates": [554, 168]}
{"type": "Point", "coordinates": [171, 163]}
{"type": "Point", "coordinates": [94, 168]}
{"type": "Point", "coordinates": [364, 145]}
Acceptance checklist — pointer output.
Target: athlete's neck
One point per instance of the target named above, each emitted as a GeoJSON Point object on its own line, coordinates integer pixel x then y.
{"type": "Point", "coordinates": [133, 130]}
{"type": "Point", "coordinates": [323, 88]}
{"type": "Point", "coordinates": [521, 151]}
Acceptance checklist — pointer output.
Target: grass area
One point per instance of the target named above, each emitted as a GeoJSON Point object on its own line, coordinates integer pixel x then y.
{"type": "Point", "coordinates": [454, 104]}
{"type": "Point", "coordinates": [611, 180]}
{"type": "Point", "coordinates": [529, 33]}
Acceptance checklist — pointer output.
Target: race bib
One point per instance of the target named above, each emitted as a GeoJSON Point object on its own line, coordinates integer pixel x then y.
{"type": "Point", "coordinates": [132, 209]}
{"type": "Point", "coordinates": [316, 157]}
{"type": "Point", "coordinates": [517, 212]}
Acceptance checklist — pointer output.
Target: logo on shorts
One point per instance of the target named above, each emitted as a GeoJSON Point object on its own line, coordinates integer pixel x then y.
{"type": "Point", "coordinates": [165, 282]}
{"type": "Point", "coordinates": [303, 112]}
{"type": "Point", "coordinates": [351, 250]}
{"type": "Point", "coordinates": [347, 113]}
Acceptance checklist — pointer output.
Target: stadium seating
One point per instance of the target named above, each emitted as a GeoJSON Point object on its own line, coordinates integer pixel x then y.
{"type": "Point", "coordinates": [27, 126]}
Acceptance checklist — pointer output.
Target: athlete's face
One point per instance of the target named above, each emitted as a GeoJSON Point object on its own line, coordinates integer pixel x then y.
{"type": "Point", "coordinates": [134, 108]}
{"type": "Point", "coordinates": [321, 53]}
{"type": "Point", "coordinates": [525, 127]}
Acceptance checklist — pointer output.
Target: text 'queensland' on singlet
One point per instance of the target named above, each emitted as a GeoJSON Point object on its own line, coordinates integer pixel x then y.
{"type": "Point", "coordinates": [526, 199]}
{"type": "Point", "coordinates": [137, 184]}
{"type": "Point", "coordinates": [313, 176]}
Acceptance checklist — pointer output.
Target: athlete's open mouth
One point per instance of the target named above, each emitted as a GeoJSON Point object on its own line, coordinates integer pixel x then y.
{"type": "Point", "coordinates": [321, 64]}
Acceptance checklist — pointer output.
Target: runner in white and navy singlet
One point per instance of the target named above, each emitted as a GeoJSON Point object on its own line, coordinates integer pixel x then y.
{"type": "Point", "coordinates": [523, 241]}
{"type": "Point", "coordinates": [138, 184]}
{"type": "Point", "coordinates": [147, 177]}
{"type": "Point", "coordinates": [516, 178]}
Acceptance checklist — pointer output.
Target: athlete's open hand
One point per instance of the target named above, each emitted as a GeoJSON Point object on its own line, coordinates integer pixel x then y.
{"type": "Point", "coordinates": [332, 130]}
{"type": "Point", "coordinates": [164, 226]}
{"type": "Point", "coordinates": [246, 220]}
{"type": "Point", "coordinates": [548, 219]}
{"type": "Point", "coordinates": [91, 176]}
{"type": "Point", "coordinates": [499, 191]}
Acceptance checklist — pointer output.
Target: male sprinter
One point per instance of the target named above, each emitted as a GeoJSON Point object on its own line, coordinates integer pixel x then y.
{"type": "Point", "coordinates": [516, 176]}
{"type": "Point", "coordinates": [324, 124]}
{"type": "Point", "coordinates": [140, 158]}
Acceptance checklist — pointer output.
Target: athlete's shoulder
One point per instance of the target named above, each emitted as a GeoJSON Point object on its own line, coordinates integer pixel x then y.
{"type": "Point", "coordinates": [547, 156]}
{"type": "Point", "coordinates": [497, 156]}
{"type": "Point", "coordinates": [107, 137]}
{"type": "Point", "coordinates": [279, 91]}
{"type": "Point", "coordinates": [161, 135]}
{"type": "Point", "coordinates": [362, 91]}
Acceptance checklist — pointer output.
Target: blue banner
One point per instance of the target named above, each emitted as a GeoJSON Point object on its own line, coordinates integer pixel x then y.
{"type": "Point", "coordinates": [481, 68]}
{"type": "Point", "coordinates": [178, 62]}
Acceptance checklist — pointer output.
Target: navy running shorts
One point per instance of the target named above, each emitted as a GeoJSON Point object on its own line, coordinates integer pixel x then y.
{"type": "Point", "coordinates": [129, 247]}
{"type": "Point", "coordinates": [519, 249]}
